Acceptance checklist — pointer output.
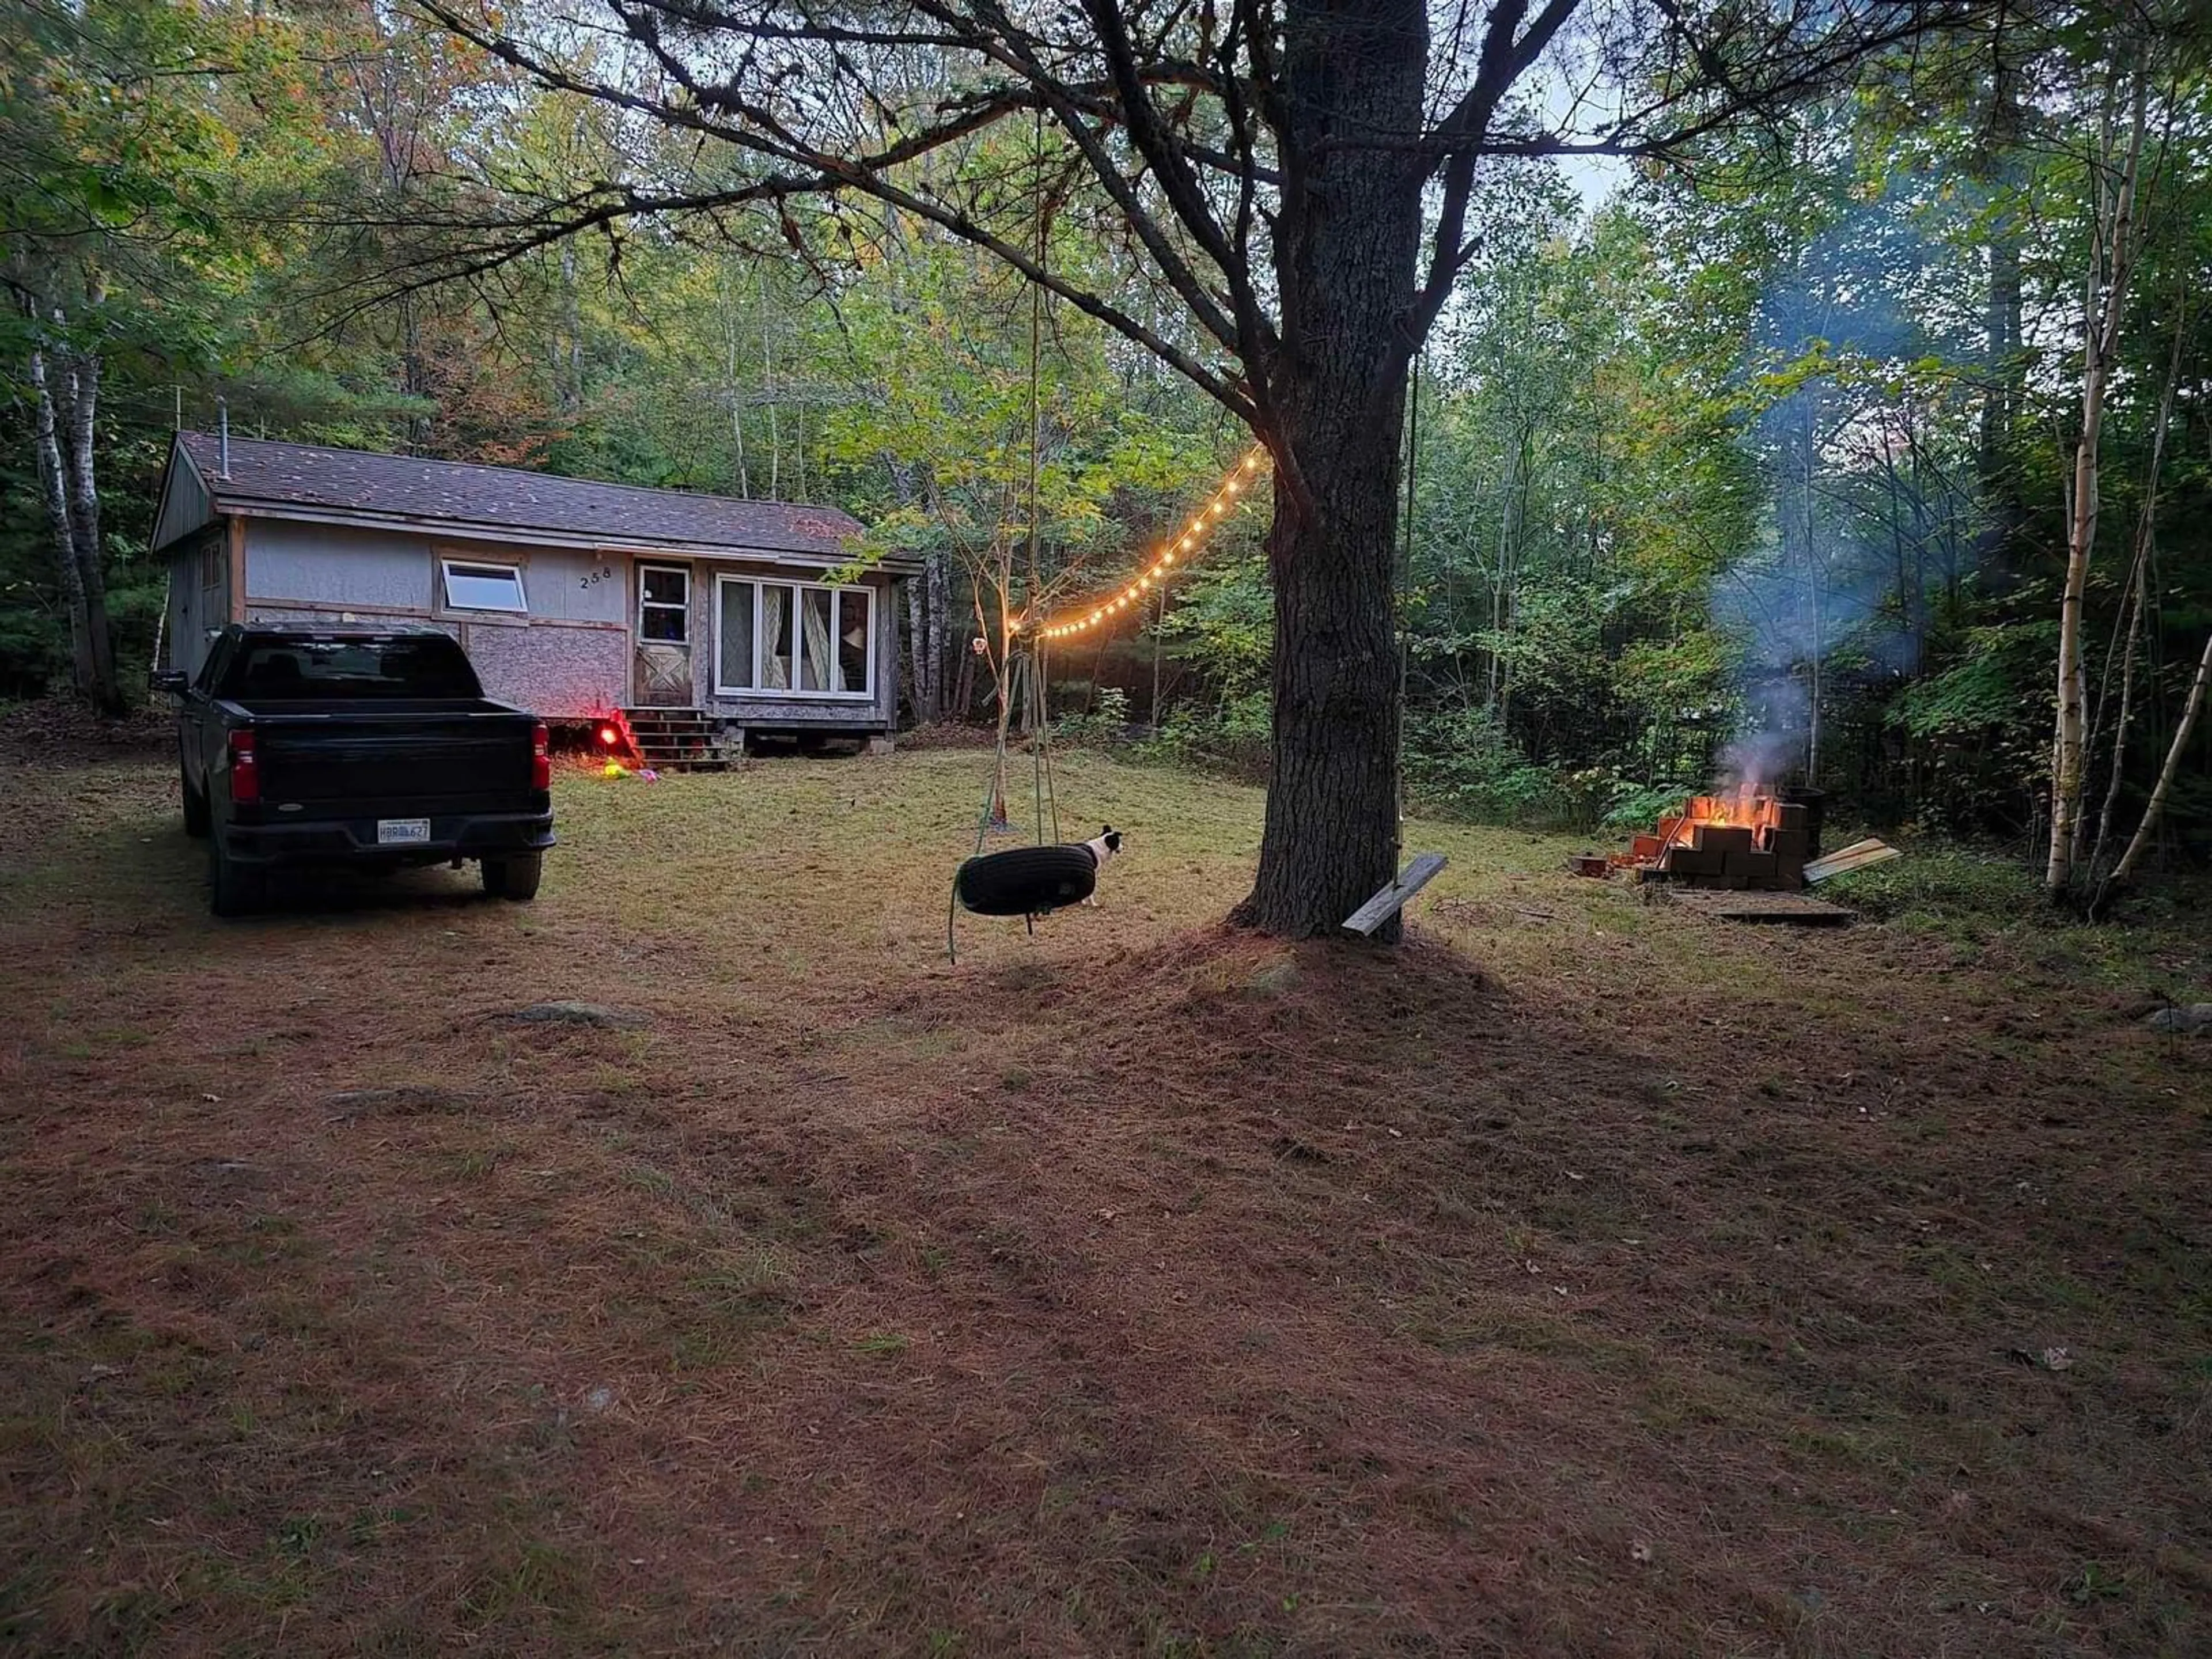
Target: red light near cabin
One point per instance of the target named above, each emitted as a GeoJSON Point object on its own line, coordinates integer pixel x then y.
{"type": "Point", "coordinates": [541, 758]}
{"type": "Point", "coordinates": [609, 736]}
{"type": "Point", "coordinates": [245, 770]}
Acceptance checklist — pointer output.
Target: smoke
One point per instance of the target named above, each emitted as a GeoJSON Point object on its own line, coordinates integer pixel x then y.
{"type": "Point", "coordinates": [1861, 524]}
{"type": "Point", "coordinates": [1770, 743]}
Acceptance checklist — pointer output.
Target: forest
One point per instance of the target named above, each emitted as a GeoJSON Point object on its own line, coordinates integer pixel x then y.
{"type": "Point", "coordinates": [1856, 432]}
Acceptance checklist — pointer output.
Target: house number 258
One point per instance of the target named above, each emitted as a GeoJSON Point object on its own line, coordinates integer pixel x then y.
{"type": "Point", "coordinates": [604, 573]}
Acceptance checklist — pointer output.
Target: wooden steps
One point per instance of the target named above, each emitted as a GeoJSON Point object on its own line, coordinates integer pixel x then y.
{"type": "Point", "coordinates": [674, 740]}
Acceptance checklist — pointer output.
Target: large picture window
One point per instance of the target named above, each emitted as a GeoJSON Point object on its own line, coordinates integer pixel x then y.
{"type": "Point", "coordinates": [793, 639]}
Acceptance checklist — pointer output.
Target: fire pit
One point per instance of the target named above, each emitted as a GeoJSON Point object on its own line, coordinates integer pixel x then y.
{"type": "Point", "coordinates": [1744, 840]}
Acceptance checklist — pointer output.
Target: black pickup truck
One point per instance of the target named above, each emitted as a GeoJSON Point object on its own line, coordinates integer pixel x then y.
{"type": "Point", "coordinates": [373, 747]}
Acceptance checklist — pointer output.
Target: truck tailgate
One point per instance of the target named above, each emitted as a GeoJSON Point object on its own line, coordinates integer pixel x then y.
{"type": "Point", "coordinates": [413, 757]}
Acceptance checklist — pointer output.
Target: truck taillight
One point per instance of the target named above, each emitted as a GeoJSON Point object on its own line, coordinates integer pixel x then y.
{"type": "Point", "coordinates": [245, 770]}
{"type": "Point", "coordinates": [541, 759]}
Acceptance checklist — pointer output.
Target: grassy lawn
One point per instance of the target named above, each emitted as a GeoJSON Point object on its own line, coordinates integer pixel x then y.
{"type": "Point", "coordinates": [1587, 1278]}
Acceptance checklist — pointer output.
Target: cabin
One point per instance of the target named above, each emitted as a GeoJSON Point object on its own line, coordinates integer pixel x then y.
{"type": "Point", "coordinates": [699, 622]}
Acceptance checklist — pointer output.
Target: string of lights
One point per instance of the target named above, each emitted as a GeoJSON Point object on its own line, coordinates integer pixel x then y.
{"type": "Point", "coordinates": [1103, 610]}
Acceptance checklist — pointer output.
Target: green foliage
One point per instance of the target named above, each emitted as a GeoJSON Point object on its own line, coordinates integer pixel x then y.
{"type": "Point", "coordinates": [1230, 737]}
{"type": "Point", "coordinates": [1991, 687]}
{"type": "Point", "coordinates": [1104, 725]}
{"type": "Point", "coordinates": [1460, 763]}
{"type": "Point", "coordinates": [1223, 621]}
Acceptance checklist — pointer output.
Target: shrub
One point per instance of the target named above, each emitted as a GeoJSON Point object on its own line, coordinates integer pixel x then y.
{"type": "Point", "coordinates": [1231, 736]}
{"type": "Point", "coordinates": [1106, 725]}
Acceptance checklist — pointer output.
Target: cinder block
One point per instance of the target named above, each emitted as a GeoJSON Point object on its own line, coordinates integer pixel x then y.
{"type": "Point", "coordinates": [1670, 828]}
{"type": "Point", "coordinates": [1793, 817]}
{"type": "Point", "coordinates": [1753, 864]}
{"type": "Point", "coordinates": [1722, 838]}
{"type": "Point", "coordinates": [1645, 849]}
{"type": "Point", "coordinates": [1734, 882]}
{"type": "Point", "coordinates": [1691, 861]}
{"type": "Point", "coordinates": [1787, 843]}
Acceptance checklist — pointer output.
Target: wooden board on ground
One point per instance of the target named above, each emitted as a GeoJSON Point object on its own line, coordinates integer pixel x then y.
{"type": "Point", "coordinates": [1857, 856]}
{"type": "Point", "coordinates": [1788, 909]}
{"type": "Point", "coordinates": [1392, 899]}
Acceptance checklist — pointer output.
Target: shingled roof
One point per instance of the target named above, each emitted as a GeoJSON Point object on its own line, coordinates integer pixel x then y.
{"type": "Point", "coordinates": [358, 484]}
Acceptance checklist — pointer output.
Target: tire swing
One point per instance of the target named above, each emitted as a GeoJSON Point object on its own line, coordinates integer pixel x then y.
{"type": "Point", "coordinates": [1028, 882]}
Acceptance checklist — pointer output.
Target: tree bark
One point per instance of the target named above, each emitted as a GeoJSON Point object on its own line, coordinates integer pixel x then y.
{"type": "Point", "coordinates": [2137, 605]}
{"type": "Point", "coordinates": [1347, 240]}
{"type": "Point", "coordinates": [65, 388]}
{"type": "Point", "coordinates": [2104, 302]}
{"type": "Point", "coordinates": [2139, 843]}
{"type": "Point", "coordinates": [937, 617]}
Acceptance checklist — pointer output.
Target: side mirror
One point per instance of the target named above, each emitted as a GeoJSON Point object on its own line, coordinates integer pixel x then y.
{"type": "Point", "coordinates": [174, 681]}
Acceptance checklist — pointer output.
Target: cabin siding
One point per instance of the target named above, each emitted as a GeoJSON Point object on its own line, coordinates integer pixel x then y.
{"type": "Point", "coordinates": [184, 506]}
{"type": "Point", "coordinates": [329, 568]}
{"type": "Point", "coordinates": [199, 598]}
{"type": "Point", "coordinates": [567, 657]}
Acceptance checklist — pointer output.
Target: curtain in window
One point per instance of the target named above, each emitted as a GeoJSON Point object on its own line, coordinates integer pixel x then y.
{"type": "Point", "coordinates": [775, 635]}
{"type": "Point", "coordinates": [817, 668]}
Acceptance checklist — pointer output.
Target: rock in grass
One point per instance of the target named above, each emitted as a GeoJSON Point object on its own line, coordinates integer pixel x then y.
{"type": "Point", "coordinates": [2193, 1020]}
{"type": "Point", "coordinates": [577, 1013]}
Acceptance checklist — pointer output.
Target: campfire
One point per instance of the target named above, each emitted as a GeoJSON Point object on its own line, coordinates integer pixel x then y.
{"type": "Point", "coordinates": [1748, 839]}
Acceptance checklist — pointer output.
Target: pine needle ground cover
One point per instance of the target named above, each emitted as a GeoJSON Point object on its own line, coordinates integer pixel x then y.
{"type": "Point", "coordinates": [1587, 1278]}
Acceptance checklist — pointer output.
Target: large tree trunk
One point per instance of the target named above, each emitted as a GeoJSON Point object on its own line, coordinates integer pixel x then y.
{"type": "Point", "coordinates": [1346, 241]}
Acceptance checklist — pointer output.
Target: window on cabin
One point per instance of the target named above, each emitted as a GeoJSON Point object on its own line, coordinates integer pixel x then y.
{"type": "Point", "coordinates": [663, 604]}
{"type": "Point", "coordinates": [471, 586]}
{"type": "Point", "coordinates": [736, 659]}
{"type": "Point", "coordinates": [799, 638]}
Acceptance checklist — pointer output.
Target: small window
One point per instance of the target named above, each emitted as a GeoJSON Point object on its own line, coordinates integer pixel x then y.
{"type": "Point", "coordinates": [663, 604]}
{"type": "Point", "coordinates": [483, 587]}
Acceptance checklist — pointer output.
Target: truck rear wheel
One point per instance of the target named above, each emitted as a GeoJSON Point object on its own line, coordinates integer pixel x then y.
{"type": "Point", "coordinates": [514, 877]}
{"type": "Point", "coordinates": [234, 889]}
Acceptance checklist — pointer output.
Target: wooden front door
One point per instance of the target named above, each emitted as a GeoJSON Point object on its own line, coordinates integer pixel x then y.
{"type": "Point", "coordinates": [664, 623]}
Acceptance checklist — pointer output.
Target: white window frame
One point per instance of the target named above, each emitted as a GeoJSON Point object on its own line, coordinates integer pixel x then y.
{"type": "Point", "coordinates": [447, 602]}
{"type": "Point", "coordinates": [644, 604]}
{"type": "Point", "coordinates": [798, 639]}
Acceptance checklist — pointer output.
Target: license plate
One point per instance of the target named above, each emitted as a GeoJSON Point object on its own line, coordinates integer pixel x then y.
{"type": "Point", "coordinates": [398, 832]}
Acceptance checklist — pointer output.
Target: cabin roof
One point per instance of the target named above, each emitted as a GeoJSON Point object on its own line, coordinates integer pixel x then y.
{"type": "Point", "coordinates": [354, 485]}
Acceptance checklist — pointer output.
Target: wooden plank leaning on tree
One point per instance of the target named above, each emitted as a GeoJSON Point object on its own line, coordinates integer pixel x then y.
{"type": "Point", "coordinates": [1392, 899]}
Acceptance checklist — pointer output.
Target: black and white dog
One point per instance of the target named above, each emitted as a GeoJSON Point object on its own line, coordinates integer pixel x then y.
{"type": "Point", "coordinates": [1102, 847]}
